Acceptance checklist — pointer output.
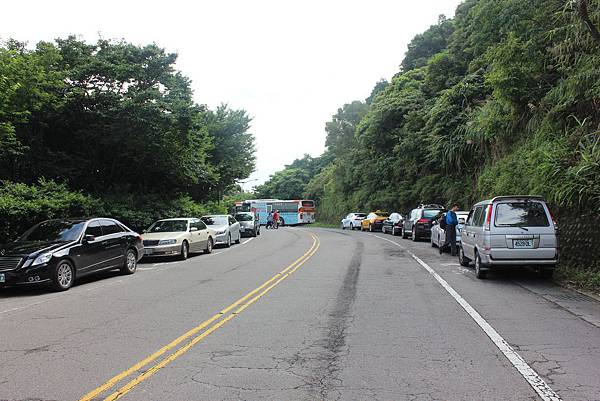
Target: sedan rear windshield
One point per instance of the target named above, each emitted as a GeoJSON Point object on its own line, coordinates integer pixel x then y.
{"type": "Point", "coordinates": [215, 220]}
{"type": "Point", "coordinates": [521, 214]}
{"type": "Point", "coordinates": [382, 214]}
{"type": "Point", "coordinates": [244, 217]}
{"type": "Point", "coordinates": [360, 214]}
{"type": "Point", "coordinates": [168, 226]}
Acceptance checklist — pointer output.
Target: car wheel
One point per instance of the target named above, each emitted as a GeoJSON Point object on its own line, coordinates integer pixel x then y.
{"type": "Point", "coordinates": [414, 234]}
{"type": "Point", "coordinates": [462, 259]}
{"type": "Point", "coordinates": [480, 274]}
{"type": "Point", "coordinates": [130, 264]}
{"type": "Point", "coordinates": [228, 243]}
{"type": "Point", "coordinates": [63, 276]}
{"type": "Point", "coordinates": [185, 251]}
{"type": "Point", "coordinates": [209, 246]}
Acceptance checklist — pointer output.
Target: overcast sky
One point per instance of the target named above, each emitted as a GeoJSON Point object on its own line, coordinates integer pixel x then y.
{"type": "Point", "coordinates": [290, 64]}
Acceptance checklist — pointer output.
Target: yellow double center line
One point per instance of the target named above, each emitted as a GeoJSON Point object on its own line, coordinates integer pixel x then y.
{"type": "Point", "coordinates": [205, 329]}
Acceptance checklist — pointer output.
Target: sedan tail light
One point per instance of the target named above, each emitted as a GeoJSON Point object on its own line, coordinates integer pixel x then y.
{"type": "Point", "coordinates": [422, 221]}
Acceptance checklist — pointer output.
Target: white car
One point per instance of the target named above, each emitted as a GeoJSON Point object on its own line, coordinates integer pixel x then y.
{"type": "Point", "coordinates": [353, 221]}
{"type": "Point", "coordinates": [227, 229]}
{"type": "Point", "coordinates": [178, 237]}
{"type": "Point", "coordinates": [438, 234]}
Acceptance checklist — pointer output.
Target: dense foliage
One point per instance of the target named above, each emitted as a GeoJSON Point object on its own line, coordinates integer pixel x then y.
{"type": "Point", "coordinates": [112, 120]}
{"type": "Point", "coordinates": [502, 99]}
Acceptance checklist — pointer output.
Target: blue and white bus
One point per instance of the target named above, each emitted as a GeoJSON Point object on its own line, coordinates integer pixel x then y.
{"type": "Point", "coordinates": [291, 212]}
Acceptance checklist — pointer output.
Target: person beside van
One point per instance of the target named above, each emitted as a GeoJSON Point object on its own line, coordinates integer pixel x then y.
{"type": "Point", "coordinates": [270, 220]}
{"type": "Point", "coordinates": [276, 219]}
{"type": "Point", "coordinates": [451, 220]}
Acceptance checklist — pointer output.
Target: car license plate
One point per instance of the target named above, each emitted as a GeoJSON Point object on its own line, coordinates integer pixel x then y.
{"type": "Point", "coordinates": [523, 243]}
{"type": "Point", "coordinates": [148, 251]}
{"type": "Point", "coordinates": [2, 279]}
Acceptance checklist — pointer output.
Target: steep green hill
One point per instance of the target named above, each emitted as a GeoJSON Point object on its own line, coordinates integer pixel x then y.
{"type": "Point", "coordinates": [502, 99]}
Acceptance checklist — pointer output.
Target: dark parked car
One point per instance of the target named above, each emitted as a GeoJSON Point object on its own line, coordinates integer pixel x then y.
{"type": "Point", "coordinates": [418, 223]}
{"type": "Point", "coordinates": [393, 224]}
{"type": "Point", "coordinates": [59, 251]}
{"type": "Point", "coordinates": [249, 224]}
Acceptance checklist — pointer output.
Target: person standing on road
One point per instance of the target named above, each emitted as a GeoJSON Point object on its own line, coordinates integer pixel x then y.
{"type": "Point", "coordinates": [451, 223]}
{"type": "Point", "coordinates": [270, 220]}
{"type": "Point", "coordinates": [276, 219]}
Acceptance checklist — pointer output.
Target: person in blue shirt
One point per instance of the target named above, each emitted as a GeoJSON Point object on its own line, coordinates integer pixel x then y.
{"type": "Point", "coordinates": [451, 223]}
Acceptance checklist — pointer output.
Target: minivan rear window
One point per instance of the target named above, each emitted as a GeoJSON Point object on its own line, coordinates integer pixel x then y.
{"type": "Point", "coordinates": [521, 214]}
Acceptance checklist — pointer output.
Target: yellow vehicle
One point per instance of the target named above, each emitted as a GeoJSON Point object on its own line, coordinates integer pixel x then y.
{"type": "Point", "coordinates": [374, 221]}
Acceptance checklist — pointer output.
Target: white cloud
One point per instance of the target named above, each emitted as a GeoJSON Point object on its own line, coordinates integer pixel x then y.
{"type": "Point", "coordinates": [289, 64]}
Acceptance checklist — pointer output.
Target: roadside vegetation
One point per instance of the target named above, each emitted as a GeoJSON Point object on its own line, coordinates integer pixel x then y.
{"type": "Point", "coordinates": [502, 99]}
{"type": "Point", "coordinates": [110, 128]}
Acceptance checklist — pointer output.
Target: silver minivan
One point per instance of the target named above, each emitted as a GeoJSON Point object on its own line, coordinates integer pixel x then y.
{"type": "Point", "coordinates": [510, 231]}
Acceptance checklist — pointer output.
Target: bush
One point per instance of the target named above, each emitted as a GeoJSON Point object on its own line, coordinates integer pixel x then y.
{"type": "Point", "coordinates": [22, 206]}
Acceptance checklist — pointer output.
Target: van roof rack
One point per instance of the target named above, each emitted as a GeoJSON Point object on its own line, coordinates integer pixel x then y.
{"type": "Point", "coordinates": [503, 197]}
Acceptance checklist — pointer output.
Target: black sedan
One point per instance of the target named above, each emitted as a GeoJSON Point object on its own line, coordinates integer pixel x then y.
{"type": "Point", "coordinates": [393, 224]}
{"type": "Point", "coordinates": [59, 251]}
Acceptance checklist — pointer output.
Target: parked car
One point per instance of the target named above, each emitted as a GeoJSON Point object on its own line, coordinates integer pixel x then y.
{"type": "Point", "coordinates": [227, 229]}
{"type": "Point", "coordinates": [178, 237]}
{"type": "Point", "coordinates": [393, 224]}
{"type": "Point", "coordinates": [249, 224]}
{"type": "Point", "coordinates": [58, 252]}
{"type": "Point", "coordinates": [510, 231]}
{"type": "Point", "coordinates": [353, 220]}
{"type": "Point", "coordinates": [438, 234]}
{"type": "Point", "coordinates": [418, 222]}
{"type": "Point", "coordinates": [374, 221]}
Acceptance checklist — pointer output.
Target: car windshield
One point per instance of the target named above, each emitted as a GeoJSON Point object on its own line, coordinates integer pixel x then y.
{"type": "Point", "coordinates": [168, 226]}
{"type": "Point", "coordinates": [54, 230]}
{"type": "Point", "coordinates": [244, 217]}
{"type": "Point", "coordinates": [521, 214]}
{"type": "Point", "coordinates": [215, 220]}
{"type": "Point", "coordinates": [431, 214]}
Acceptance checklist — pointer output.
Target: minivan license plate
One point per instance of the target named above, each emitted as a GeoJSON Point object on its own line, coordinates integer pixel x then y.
{"type": "Point", "coordinates": [2, 279]}
{"type": "Point", "coordinates": [523, 243]}
{"type": "Point", "coordinates": [148, 251]}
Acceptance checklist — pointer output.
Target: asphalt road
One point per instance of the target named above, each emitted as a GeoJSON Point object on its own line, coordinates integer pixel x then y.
{"type": "Point", "coordinates": [302, 314]}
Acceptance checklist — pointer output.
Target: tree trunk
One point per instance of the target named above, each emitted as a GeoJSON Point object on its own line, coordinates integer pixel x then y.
{"type": "Point", "coordinates": [582, 8]}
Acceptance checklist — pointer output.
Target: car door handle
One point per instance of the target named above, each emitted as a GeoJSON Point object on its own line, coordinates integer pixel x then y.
{"type": "Point", "coordinates": [104, 242]}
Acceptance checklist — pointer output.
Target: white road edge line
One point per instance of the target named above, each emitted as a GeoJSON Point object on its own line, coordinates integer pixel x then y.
{"type": "Point", "coordinates": [538, 384]}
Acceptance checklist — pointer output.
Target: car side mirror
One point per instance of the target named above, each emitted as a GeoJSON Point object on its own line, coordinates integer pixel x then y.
{"type": "Point", "coordinates": [88, 238]}
{"type": "Point", "coordinates": [193, 229]}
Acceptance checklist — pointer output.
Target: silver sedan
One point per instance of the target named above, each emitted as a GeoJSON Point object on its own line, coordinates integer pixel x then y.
{"type": "Point", "coordinates": [438, 234]}
{"type": "Point", "coordinates": [227, 229]}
